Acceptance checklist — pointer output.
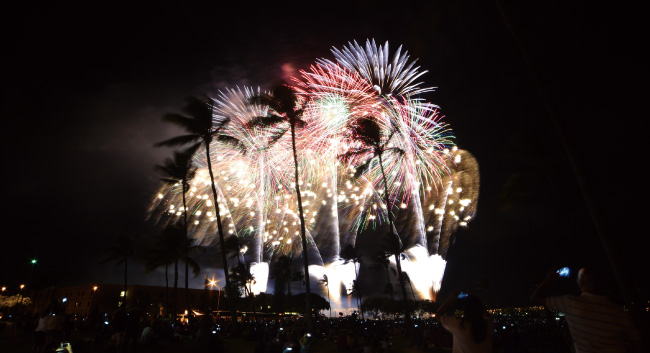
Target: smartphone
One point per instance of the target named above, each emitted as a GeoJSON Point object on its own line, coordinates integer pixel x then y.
{"type": "Point", "coordinates": [462, 295]}
{"type": "Point", "coordinates": [563, 272]}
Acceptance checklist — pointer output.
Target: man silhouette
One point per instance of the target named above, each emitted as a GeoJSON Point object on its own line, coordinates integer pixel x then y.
{"type": "Point", "coordinates": [596, 323]}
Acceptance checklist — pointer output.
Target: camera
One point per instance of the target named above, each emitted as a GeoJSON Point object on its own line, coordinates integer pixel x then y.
{"type": "Point", "coordinates": [563, 272]}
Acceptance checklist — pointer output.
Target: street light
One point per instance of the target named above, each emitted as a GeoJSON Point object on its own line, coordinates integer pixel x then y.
{"type": "Point", "coordinates": [214, 283]}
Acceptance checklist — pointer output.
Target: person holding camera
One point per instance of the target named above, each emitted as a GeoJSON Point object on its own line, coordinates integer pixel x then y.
{"type": "Point", "coordinates": [472, 331]}
{"type": "Point", "coordinates": [596, 324]}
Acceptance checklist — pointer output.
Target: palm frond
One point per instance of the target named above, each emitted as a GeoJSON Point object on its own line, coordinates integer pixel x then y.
{"type": "Point", "coordinates": [178, 141]}
{"type": "Point", "coordinates": [345, 157]}
{"type": "Point", "coordinates": [265, 121]}
{"type": "Point", "coordinates": [196, 268]}
{"type": "Point", "coordinates": [232, 142]}
{"type": "Point", "coordinates": [362, 168]}
{"type": "Point", "coordinates": [265, 100]}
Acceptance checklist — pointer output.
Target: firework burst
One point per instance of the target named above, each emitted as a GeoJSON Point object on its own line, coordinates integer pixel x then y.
{"type": "Point", "coordinates": [432, 186]}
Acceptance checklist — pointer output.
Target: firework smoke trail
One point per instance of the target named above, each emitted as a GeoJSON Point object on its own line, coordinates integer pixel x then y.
{"type": "Point", "coordinates": [432, 189]}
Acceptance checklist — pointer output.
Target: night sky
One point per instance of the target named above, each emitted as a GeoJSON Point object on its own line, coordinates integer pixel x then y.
{"type": "Point", "coordinates": [85, 87]}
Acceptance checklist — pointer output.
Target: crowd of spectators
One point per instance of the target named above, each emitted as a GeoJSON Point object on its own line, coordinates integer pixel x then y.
{"type": "Point", "coordinates": [126, 332]}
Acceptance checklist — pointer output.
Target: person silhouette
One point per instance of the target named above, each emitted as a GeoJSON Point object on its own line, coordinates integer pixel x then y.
{"type": "Point", "coordinates": [596, 324]}
{"type": "Point", "coordinates": [472, 332]}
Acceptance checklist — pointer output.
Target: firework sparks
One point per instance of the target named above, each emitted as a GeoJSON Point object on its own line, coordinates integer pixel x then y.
{"type": "Point", "coordinates": [432, 185]}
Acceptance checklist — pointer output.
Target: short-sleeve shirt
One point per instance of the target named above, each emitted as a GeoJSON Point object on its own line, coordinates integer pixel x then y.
{"type": "Point", "coordinates": [463, 341]}
{"type": "Point", "coordinates": [596, 324]}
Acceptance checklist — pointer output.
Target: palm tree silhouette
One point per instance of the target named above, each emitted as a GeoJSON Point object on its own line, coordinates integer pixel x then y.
{"type": "Point", "coordinates": [284, 109]}
{"type": "Point", "coordinates": [171, 247]}
{"type": "Point", "coordinates": [326, 282]}
{"type": "Point", "coordinates": [202, 129]}
{"type": "Point", "coordinates": [380, 260]}
{"type": "Point", "coordinates": [351, 253]}
{"type": "Point", "coordinates": [179, 170]}
{"type": "Point", "coordinates": [281, 271]}
{"type": "Point", "coordinates": [367, 131]}
{"type": "Point", "coordinates": [159, 256]}
{"type": "Point", "coordinates": [242, 276]}
{"type": "Point", "coordinates": [119, 251]}
{"type": "Point", "coordinates": [235, 248]}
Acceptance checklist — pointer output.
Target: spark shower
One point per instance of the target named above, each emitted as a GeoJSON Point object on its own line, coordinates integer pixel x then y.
{"type": "Point", "coordinates": [433, 186]}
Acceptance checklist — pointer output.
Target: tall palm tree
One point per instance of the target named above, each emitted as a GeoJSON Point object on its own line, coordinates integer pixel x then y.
{"type": "Point", "coordinates": [605, 236]}
{"type": "Point", "coordinates": [171, 247]}
{"type": "Point", "coordinates": [285, 110]}
{"type": "Point", "coordinates": [119, 251]}
{"type": "Point", "coordinates": [368, 132]}
{"type": "Point", "coordinates": [203, 129]}
{"type": "Point", "coordinates": [180, 170]}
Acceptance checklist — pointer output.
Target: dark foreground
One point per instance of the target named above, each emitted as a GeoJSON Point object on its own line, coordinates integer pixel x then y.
{"type": "Point", "coordinates": [516, 333]}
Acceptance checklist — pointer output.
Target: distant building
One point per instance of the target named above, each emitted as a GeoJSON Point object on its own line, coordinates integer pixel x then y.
{"type": "Point", "coordinates": [107, 298]}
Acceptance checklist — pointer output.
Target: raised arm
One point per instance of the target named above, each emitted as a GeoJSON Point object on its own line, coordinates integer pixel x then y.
{"type": "Point", "coordinates": [449, 302]}
{"type": "Point", "coordinates": [540, 293]}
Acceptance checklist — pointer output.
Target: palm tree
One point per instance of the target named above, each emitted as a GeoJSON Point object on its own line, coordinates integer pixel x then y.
{"type": "Point", "coordinates": [203, 129]}
{"type": "Point", "coordinates": [160, 255]}
{"type": "Point", "coordinates": [242, 276]}
{"type": "Point", "coordinates": [379, 259]}
{"type": "Point", "coordinates": [171, 247]}
{"type": "Point", "coordinates": [325, 281]}
{"type": "Point", "coordinates": [281, 271]}
{"type": "Point", "coordinates": [606, 239]}
{"type": "Point", "coordinates": [352, 254]}
{"type": "Point", "coordinates": [119, 251]}
{"type": "Point", "coordinates": [241, 272]}
{"type": "Point", "coordinates": [179, 170]}
{"type": "Point", "coordinates": [283, 109]}
{"type": "Point", "coordinates": [368, 132]}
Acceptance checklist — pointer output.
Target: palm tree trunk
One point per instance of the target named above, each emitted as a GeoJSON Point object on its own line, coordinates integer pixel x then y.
{"type": "Point", "coordinates": [175, 311]}
{"type": "Point", "coordinates": [308, 321]}
{"type": "Point", "coordinates": [357, 287]}
{"type": "Point", "coordinates": [187, 290]}
{"type": "Point", "coordinates": [184, 182]}
{"type": "Point", "coordinates": [594, 212]}
{"type": "Point", "coordinates": [390, 224]}
{"type": "Point", "coordinates": [126, 266]}
{"type": "Point", "coordinates": [166, 289]}
{"type": "Point", "coordinates": [233, 310]}
{"type": "Point", "coordinates": [392, 296]}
